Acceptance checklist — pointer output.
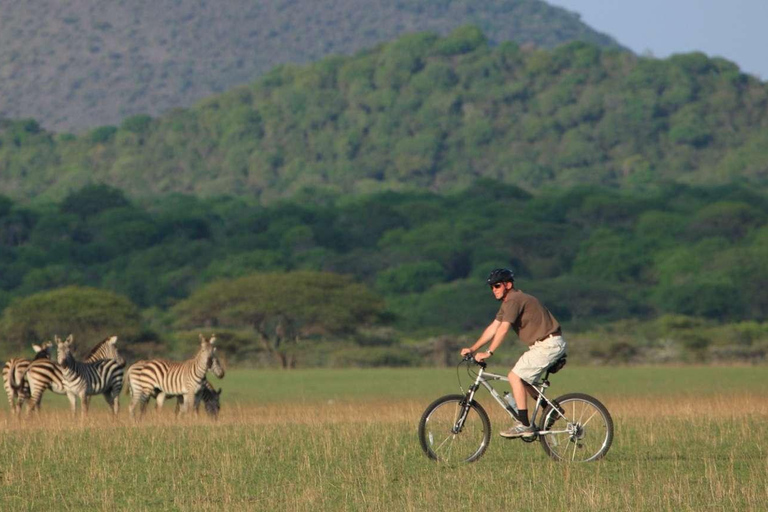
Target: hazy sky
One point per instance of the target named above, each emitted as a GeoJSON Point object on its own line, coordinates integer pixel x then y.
{"type": "Point", "coordinates": [734, 29]}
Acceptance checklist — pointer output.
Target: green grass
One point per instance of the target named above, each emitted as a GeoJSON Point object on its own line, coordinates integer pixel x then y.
{"type": "Point", "coordinates": [692, 438]}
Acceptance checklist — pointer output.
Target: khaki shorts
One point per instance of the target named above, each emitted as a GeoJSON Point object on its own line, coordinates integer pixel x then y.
{"type": "Point", "coordinates": [538, 358]}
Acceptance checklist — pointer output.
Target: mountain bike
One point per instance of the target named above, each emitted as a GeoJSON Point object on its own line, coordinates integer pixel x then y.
{"type": "Point", "coordinates": [572, 428]}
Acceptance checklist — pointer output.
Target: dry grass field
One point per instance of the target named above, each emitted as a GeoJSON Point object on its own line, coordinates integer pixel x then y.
{"type": "Point", "coordinates": [685, 439]}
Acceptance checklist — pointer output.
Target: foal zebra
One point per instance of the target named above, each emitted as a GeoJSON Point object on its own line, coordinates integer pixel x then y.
{"type": "Point", "coordinates": [209, 396]}
{"type": "Point", "coordinates": [82, 379]}
{"type": "Point", "coordinates": [15, 386]}
{"type": "Point", "coordinates": [161, 378]}
{"type": "Point", "coordinates": [44, 374]}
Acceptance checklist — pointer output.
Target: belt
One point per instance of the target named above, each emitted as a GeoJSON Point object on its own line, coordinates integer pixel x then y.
{"type": "Point", "coordinates": [552, 335]}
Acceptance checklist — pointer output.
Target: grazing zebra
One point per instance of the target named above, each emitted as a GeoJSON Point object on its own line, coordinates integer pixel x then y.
{"type": "Point", "coordinates": [82, 379]}
{"type": "Point", "coordinates": [16, 387]}
{"type": "Point", "coordinates": [207, 393]}
{"type": "Point", "coordinates": [209, 396]}
{"type": "Point", "coordinates": [44, 374]}
{"type": "Point", "coordinates": [161, 378]}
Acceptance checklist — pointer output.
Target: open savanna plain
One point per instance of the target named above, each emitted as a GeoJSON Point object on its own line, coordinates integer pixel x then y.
{"type": "Point", "coordinates": [686, 438]}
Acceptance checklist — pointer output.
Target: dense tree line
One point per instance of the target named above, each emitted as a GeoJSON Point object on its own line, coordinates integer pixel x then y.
{"type": "Point", "coordinates": [595, 256]}
{"type": "Point", "coordinates": [423, 112]}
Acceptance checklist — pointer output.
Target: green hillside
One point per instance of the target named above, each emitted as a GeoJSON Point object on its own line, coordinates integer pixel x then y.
{"type": "Point", "coordinates": [424, 112]}
{"type": "Point", "coordinates": [84, 63]}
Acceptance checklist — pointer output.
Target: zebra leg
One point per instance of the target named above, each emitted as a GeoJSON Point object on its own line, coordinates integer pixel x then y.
{"type": "Point", "coordinates": [179, 402]}
{"type": "Point", "coordinates": [36, 397]}
{"type": "Point", "coordinates": [160, 401]}
{"type": "Point", "coordinates": [140, 398]}
{"type": "Point", "coordinates": [116, 400]}
{"type": "Point", "coordinates": [113, 401]}
{"type": "Point", "coordinates": [144, 402]}
{"type": "Point", "coordinates": [189, 400]}
{"type": "Point", "coordinates": [9, 391]}
{"type": "Point", "coordinates": [73, 403]}
{"type": "Point", "coordinates": [135, 398]}
{"type": "Point", "coordinates": [24, 394]}
{"type": "Point", "coordinates": [16, 402]}
{"type": "Point", "coordinates": [85, 401]}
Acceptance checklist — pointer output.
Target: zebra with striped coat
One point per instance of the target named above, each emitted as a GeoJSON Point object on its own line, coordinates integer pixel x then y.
{"type": "Point", "coordinates": [16, 387]}
{"type": "Point", "coordinates": [161, 379]}
{"type": "Point", "coordinates": [207, 394]}
{"type": "Point", "coordinates": [44, 374]}
{"type": "Point", "coordinates": [82, 379]}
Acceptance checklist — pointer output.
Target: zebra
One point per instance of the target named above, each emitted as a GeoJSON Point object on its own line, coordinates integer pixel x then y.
{"type": "Point", "coordinates": [160, 378]}
{"type": "Point", "coordinates": [45, 374]}
{"type": "Point", "coordinates": [16, 387]}
{"type": "Point", "coordinates": [102, 376]}
{"type": "Point", "coordinates": [207, 393]}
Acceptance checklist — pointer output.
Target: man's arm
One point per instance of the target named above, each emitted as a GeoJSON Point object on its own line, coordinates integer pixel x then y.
{"type": "Point", "coordinates": [489, 334]}
{"type": "Point", "coordinates": [499, 335]}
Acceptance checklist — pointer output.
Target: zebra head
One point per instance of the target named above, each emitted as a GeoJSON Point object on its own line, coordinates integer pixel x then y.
{"type": "Point", "coordinates": [64, 350]}
{"type": "Point", "coordinates": [208, 350]}
{"type": "Point", "coordinates": [42, 351]}
{"type": "Point", "coordinates": [105, 349]}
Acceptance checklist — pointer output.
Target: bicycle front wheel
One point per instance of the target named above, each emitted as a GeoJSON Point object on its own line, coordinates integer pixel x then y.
{"type": "Point", "coordinates": [582, 433]}
{"type": "Point", "coordinates": [453, 431]}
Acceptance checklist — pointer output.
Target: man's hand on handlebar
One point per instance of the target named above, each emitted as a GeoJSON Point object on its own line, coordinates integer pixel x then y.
{"type": "Point", "coordinates": [476, 357]}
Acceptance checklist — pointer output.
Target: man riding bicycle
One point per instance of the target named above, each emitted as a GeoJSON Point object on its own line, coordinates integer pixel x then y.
{"type": "Point", "coordinates": [535, 326]}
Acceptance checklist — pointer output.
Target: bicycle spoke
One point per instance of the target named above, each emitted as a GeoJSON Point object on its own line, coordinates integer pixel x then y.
{"type": "Point", "coordinates": [584, 408]}
{"type": "Point", "coordinates": [575, 442]}
{"type": "Point", "coordinates": [441, 444]}
{"type": "Point", "coordinates": [590, 419]}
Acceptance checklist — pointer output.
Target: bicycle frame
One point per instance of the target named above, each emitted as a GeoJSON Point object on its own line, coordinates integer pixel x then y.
{"type": "Point", "coordinates": [484, 378]}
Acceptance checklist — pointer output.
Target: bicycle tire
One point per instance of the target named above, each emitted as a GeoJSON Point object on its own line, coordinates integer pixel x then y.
{"type": "Point", "coordinates": [580, 410]}
{"type": "Point", "coordinates": [439, 442]}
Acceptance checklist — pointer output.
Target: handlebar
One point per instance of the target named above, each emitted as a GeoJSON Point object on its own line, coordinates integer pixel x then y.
{"type": "Point", "coordinates": [471, 359]}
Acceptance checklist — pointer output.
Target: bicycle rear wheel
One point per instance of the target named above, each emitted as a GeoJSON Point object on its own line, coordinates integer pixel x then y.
{"type": "Point", "coordinates": [445, 438]}
{"type": "Point", "coordinates": [583, 433]}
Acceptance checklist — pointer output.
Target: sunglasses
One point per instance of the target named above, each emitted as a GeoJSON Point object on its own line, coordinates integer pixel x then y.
{"type": "Point", "coordinates": [497, 286]}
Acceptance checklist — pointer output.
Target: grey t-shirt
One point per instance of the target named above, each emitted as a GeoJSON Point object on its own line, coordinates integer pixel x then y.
{"type": "Point", "coordinates": [530, 320]}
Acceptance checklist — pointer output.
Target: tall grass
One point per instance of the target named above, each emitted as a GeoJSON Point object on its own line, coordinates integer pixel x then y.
{"type": "Point", "coordinates": [358, 451]}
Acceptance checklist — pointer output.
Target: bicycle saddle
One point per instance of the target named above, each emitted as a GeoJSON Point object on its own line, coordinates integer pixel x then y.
{"type": "Point", "coordinates": [557, 365]}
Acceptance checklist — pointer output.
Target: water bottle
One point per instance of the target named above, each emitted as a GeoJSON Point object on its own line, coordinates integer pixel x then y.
{"type": "Point", "coordinates": [510, 400]}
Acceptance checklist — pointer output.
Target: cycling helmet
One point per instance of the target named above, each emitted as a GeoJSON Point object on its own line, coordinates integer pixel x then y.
{"type": "Point", "coordinates": [500, 275]}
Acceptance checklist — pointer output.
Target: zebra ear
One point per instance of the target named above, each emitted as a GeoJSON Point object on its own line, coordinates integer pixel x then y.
{"type": "Point", "coordinates": [70, 339]}
{"type": "Point", "coordinates": [202, 338]}
{"type": "Point", "coordinates": [37, 348]}
{"type": "Point", "coordinates": [57, 339]}
{"type": "Point", "coordinates": [213, 339]}
{"type": "Point", "coordinates": [112, 340]}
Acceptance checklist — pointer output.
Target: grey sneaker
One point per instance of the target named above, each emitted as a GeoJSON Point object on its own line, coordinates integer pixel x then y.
{"type": "Point", "coordinates": [518, 430]}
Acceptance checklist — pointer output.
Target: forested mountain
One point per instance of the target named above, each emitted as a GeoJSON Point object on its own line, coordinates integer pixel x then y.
{"type": "Point", "coordinates": [424, 112]}
{"type": "Point", "coordinates": [83, 63]}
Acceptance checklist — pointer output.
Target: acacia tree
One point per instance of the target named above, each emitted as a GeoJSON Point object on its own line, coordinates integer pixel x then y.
{"type": "Point", "coordinates": [281, 308]}
{"type": "Point", "coordinates": [87, 313]}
